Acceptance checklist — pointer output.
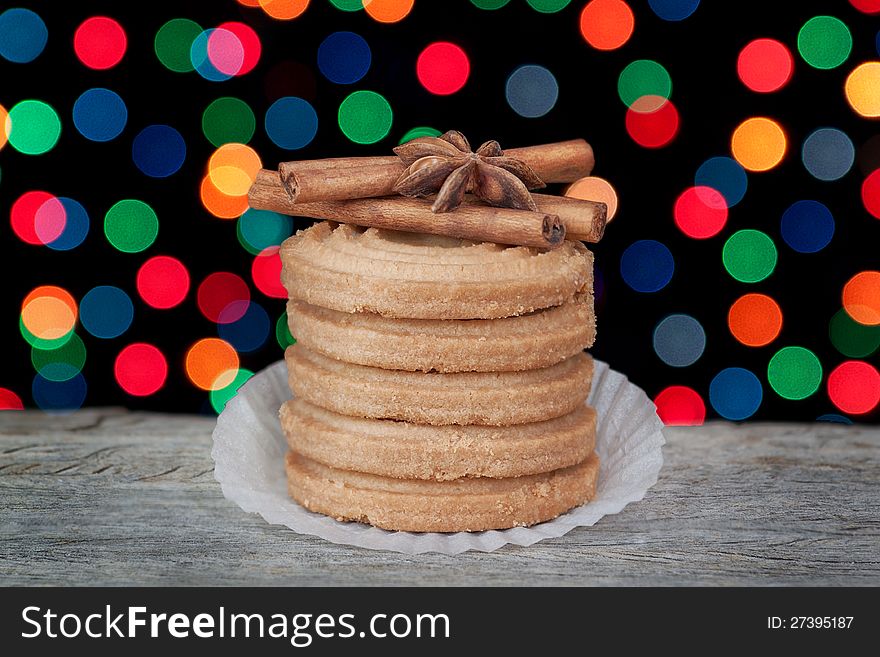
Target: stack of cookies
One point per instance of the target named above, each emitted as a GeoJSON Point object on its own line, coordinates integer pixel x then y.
{"type": "Point", "coordinates": [439, 384]}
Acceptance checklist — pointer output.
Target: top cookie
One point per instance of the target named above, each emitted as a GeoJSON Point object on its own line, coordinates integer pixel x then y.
{"type": "Point", "coordinates": [416, 276]}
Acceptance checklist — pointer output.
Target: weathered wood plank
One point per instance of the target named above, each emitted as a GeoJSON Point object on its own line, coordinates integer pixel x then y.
{"type": "Point", "coordinates": [109, 497]}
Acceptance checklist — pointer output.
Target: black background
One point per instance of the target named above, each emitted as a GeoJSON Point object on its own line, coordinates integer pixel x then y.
{"type": "Point", "coordinates": [699, 52]}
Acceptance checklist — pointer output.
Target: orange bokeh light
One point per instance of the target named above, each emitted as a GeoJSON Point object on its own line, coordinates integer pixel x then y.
{"type": "Point", "coordinates": [49, 312]}
{"type": "Point", "coordinates": [758, 144]}
{"type": "Point", "coordinates": [862, 89]}
{"type": "Point", "coordinates": [219, 204]}
{"type": "Point", "coordinates": [593, 188]}
{"type": "Point", "coordinates": [284, 10]}
{"type": "Point", "coordinates": [607, 24]}
{"type": "Point", "coordinates": [211, 364]}
{"type": "Point", "coordinates": [5, 126]}
{"type": "Point", "coordinates": [861, 297]}
{"type": "Point", "coordinates": [233, 168]}
{"type": "Point", "coordinates": [388, 11]}
{"type": "Point", "coordinates": [755, 320]}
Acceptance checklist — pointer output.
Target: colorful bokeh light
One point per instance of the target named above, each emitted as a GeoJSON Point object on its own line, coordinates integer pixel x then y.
{"type": "Point", "coordinates": [33, 127]}
{"type": "Point", "coordinates": [861, 297]}
{"type": "Point", "coordinates": [759, 143]}
{"type": "Point", "coordinates": [23, 35]}
{"type": "Point", "coordinates": [594, 188]}
{"type": "Point", "coordinates": [794, 373]}
{"type": "Point", "coordinates": [749, 255]}
{"type": "Point", "coordinates": [607, 24]}
{"type": "Point", "coordinates": [680, 406]}
{"type": "Point", "coordinates": [679, 340]}
{"type": "Point", "coordinates": [443, 68]}
{"type": "Point", "coordinates": [100, 42]}
{"type": "Point", "coordinates": [824, 42]}
{"type": "Point", "coordinates": [647, 266]}
{"type": "Point", "coordinates": [862, 89]}
{"type": "Point", "coordinates": [219, 291]}
{"type": "Point", "coordinates": [654, 128]}
{"type": "Point", "coordinates": [765, 65]}
{"type": "Point", "coordinates": [163, 282]}
{"type": "Point", "coordinates": [140, 369]}
{"type": "Point", "coordinates": [131, 226]}
{"type": "Point", "coordinates": [531, 91]}
{"type": "Point", "coordinates": [854, 387]}
{"type": "Point", "coordinates": [388, 11]}
{"type": "Point", "coordinates": [736, 393]}
{"type": "Point", "coordinates": [700, 212]}
{"type": "Point", "coordinates": [211, 364]}
{"type": "Point", "coordinates": [365, 117]}
{"type": "Point", "coordinates": [755, 320]}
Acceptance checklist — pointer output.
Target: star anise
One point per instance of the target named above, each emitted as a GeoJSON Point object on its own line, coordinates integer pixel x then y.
{"type": "Point", "coordinates": [447, 166]}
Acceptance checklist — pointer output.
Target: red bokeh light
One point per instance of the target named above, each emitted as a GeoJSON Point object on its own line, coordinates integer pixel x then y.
{"type": "Point", "coordinates": [680, 406]}
{"type": "Point", "coordinates": [163, 282]}
{"type": "Point", "coordinates": [443, 68]}
{"type": "Point", "coordinates": [266, 272]}
{"type": "Point", "coordinates": [140, 369]}
{"type": "Point", "coordinates": [652, 129]}
{"type": "Point", "coordinates": [854, 387]}
{"type": "Point", "coordinates": [765, 65]}
{"type": "Point", "coordinates": [700, 212]}
{"type": "Point", "coordinates": [100, 42]}
{"type": "Point", "coordinates": [218, 291]}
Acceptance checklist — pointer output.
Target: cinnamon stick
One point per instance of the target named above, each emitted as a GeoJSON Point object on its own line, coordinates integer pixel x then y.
{"type": "Point", "coordinates": [341, 178]}
{"type": "Point", "coordinates": [481, 223]}
{"type": "Point", "coordinates": [583, 220]}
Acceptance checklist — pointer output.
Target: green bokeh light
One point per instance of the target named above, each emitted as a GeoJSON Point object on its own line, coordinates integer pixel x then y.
{"type": "Point", "coordinates": [260, 229]}
{"type": "Point", "coordinates": [794, 373]}
{"type": "Point", "coordinates": [643, 77]}
{"type": "Point", "coordinates": [419, 131]}
{"type": "Point", "coordinates": [35, 127]}
{"type": "Point", "coordinates": [824, 42]}
{"type": "Point", "coordinates": [228, 120]}
{"type": "Point", "coordinates": [548, 6]}
{"type": "Point", "coordinates": [489, 4]}
{"type": "Point", "coordinates": [851, 338]}
{"type": "Point", "coordinates": [282, 332]}
{"type": "Point", "coordinates": [62, 363]}
{"type": "Point", "coordinates": [348, 5]}
{"type": "Point", "coordinates": [749, 256]}
{"type": "Point", "coordinates": [365, 117]}
{"type": "Point", "coordinates": [173, 44]}
{"type": "Point", "coordinates": [219, 398]}
{"type": "Point", "coordinates": [131, 226]}
{"type": "Point", "coordinates": [42, 343]}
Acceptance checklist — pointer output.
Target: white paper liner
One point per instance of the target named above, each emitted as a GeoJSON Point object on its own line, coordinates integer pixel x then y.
{"type": "Point", "coordinates": [249, 449]}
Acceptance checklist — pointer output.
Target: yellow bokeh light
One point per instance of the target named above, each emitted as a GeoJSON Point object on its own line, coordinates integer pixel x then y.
{"type": "Point", "coordinates": [233, 167]}
{"type": "Point", "coordinates": [862, 89]}
{"type": "Point", "coordinates": [758, 144]}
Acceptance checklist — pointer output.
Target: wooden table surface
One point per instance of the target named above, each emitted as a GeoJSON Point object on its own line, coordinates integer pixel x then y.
{"type": "Point", "coordinates": [108, 497]}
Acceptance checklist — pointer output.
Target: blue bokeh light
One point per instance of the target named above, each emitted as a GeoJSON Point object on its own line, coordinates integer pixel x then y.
{"type": "Point", "coordinates": [735, 393]}
{"type": "Point", "coordinates": [344, 57]}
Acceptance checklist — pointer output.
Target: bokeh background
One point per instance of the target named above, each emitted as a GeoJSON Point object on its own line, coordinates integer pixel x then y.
{"type": "Point", "coordinates": [738, 141]}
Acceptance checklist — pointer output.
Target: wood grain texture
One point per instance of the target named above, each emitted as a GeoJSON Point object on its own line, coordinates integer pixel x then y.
{"type": "Point", "coordinates": [109, 497]}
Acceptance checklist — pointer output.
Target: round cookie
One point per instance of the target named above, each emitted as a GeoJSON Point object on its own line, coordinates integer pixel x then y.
{"type": "Point", "coordinates": [419, 276]}
{"type": "Point", "coordinates": [472, 504]}
{"type": "Point", "coordinates": [487, 398]}
{"type": "Point", "coordinates": [413, 451]}
{"type": "Point", "coordinates": [531, 341]}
